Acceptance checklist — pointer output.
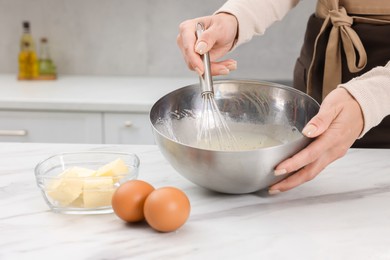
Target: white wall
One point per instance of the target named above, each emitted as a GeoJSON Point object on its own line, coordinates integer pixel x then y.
{"type": "Point", "coordinates": [138, 38]}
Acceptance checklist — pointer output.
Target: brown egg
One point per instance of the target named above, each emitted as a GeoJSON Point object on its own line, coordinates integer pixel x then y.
{"type": "Point", "coordinates": [166, 209]}
{"type": "Point", "coordinates": [128, 200]}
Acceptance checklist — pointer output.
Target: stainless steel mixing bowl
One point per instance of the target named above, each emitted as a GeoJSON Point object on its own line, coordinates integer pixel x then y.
{"type": "Point", "coordinates": [255, 107]}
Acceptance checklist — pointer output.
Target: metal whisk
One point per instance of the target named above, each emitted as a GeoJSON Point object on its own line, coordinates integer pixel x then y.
{"type": "Point", "coordinates": [213, 131]}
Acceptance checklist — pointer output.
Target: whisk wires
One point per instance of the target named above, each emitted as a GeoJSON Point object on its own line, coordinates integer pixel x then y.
{"type": "Point", "coordinates": [213, 131]}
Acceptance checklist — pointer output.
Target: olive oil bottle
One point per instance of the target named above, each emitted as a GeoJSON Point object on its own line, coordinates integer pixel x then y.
{"type": "Point", "coordinates": [47, 69]}
{"type": "Point", "coordinates": [28, 60]}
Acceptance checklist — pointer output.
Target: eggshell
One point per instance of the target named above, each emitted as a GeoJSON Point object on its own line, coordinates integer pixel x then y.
{"type": "Point", "coordinates": [166, 209]}
{"type": "Point", "coordinates": [128, 200]}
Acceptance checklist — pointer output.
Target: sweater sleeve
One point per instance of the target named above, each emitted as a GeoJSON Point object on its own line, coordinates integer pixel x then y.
{"type": "Point", "coordinates": [372, 91]}
{"type": "Point", "coordinates": [255, 16]}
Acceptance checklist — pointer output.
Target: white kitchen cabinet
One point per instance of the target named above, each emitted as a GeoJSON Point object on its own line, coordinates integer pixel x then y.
{"type": "Point", "coordinates": [81, 109]}
{"type": "Point", "coordinates": [127, 128]}
{"type": "Point", "coordinates": [75, 127]}
{"type": "Point", "coordinates": [50, 127]}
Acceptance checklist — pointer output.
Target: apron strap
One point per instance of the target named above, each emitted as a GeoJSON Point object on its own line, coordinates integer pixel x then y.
{"type": "Point", "coordinates": [342, 37]}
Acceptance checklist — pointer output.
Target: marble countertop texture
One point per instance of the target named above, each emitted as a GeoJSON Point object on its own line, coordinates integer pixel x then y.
{"type": "Point", "coordinates": [344, 213]}
{"type": "Point", "coordinates": [87, 93]}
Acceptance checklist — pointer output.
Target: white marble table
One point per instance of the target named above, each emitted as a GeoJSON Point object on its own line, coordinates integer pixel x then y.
{"type": "Point", "coordinates": [342, 214]}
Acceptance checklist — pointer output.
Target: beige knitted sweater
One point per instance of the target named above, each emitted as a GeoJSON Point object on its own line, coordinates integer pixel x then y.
{"type": "Point", "coordinates": [371, 90]}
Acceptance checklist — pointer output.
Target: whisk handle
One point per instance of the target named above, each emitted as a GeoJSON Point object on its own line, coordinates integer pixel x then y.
{"type": "Point", "coordinates": [206, 82]}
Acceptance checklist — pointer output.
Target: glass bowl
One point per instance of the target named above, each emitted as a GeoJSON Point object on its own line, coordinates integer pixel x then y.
{"type": "Point", "coordinates": [84, 182]}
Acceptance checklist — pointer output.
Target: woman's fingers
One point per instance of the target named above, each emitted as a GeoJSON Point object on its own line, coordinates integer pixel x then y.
{"type": "Point", "coordinates": [308, 155]}
{"type": "Point", "coordinates": [186, 41]}
{"type": "Point", "coordinates": [223, 67]}
{"type": "Point", "coordinates": [305, 174]}
{"type": "Point", "coordinates": [309, 162]}
{"type": "Point", "coordinates": [319, 123]}
{"type": "Point", "coordinates": [217, 39]}
{"type": "Point", "coordinates": [316, 126]}
{"type": "Point", "coordinates": [336, 127]}
{"type": "Point", "coordinates": [206, 41]}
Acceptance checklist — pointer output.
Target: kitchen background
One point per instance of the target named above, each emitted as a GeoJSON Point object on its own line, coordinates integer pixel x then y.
{"type": "Point", "coordinates": [138, 38]}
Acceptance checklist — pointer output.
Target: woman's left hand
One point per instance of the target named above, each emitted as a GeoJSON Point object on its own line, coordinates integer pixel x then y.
{"type": "Point", "coordinates": [337, 125]}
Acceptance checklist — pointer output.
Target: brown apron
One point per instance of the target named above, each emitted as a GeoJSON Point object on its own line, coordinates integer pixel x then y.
{"type": "Point", "coordinates": [345, 39]}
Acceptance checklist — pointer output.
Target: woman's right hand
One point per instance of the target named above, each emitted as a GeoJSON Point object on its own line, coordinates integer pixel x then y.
{"type": "Point", "coordinates": [217, 39]}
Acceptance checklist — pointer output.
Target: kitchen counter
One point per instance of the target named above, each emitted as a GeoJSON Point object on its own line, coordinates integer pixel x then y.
{"type": "Point", "coordinates": [83, 93]}
{"type": "Point", "coordinates": [90, 93]}
{"type": "Point", "coordinates": [342, 214]}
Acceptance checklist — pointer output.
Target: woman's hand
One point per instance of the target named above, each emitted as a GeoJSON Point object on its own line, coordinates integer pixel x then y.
{"type": "Point", "coordinates": [217, 39]}
{"type": "Point", "coordinates": [336, 127]}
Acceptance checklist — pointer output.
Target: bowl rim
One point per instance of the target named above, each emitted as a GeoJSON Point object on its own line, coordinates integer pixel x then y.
{"type": "Point", "coordinates": [240, 81]}
{"type": "Point", "coordinates": [41, 162]}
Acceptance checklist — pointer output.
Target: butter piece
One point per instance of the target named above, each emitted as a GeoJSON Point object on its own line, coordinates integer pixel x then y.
{"type": "Point", "coordinates": [114, 168]}
{"type": "Point", "coordinates": [78, 203]}
{"type": "Point", "coordinates": [97, 192]}
{"type": "Point", "coordinates": [68, 187]}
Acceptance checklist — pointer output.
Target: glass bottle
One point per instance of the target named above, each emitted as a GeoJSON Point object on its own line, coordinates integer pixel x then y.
{"type": "Point", "coordinates": [46, 65]}
{"type": "Point", "coordinates": [28, 60]}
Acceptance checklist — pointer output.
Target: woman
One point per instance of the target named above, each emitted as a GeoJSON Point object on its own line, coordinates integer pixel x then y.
{"type": "Point", "coordinates": [344, 64]}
